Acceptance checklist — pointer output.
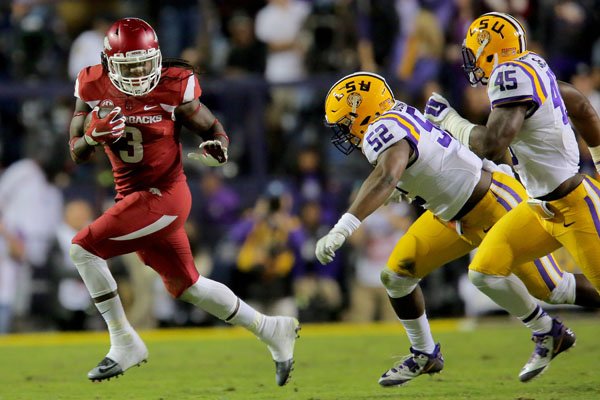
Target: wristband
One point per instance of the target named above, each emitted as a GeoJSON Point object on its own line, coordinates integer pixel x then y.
{"type": "Point", "coordinates": [223, 135]}
{"type": "Point", "coordinates": [347, 224]}
{"type": "Point", "coordinates": [89, 140]}
{"type": "Point", "coordinates": [459, 127]}
{"type": "Point", "coordinates": [595, 153]}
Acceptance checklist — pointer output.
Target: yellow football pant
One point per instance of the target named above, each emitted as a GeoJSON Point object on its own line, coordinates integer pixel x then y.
{"type": "Point", "coordinates": [523, 234]}
{"type": "Point", "coordinates": [430, 243]}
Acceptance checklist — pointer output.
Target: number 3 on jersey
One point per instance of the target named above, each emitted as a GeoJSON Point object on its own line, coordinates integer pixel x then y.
{"type": "Point", "coordinates": [134, 151]}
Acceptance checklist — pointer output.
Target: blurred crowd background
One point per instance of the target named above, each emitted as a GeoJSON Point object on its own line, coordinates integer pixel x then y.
{"type": "Point", "coordinates": [266, 67]}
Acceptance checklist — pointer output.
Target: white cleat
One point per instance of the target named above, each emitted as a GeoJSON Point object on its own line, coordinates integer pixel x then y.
{"type": "Point", "coordinates": [119, 359]}
{"type": "Point", "coordinates": [281, 346]}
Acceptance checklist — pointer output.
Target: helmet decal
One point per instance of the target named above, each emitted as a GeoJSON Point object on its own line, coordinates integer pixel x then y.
{"type": "Point", "coordinates": [483, 37]}
{"type": "Point", "coordinates": [354, 100]}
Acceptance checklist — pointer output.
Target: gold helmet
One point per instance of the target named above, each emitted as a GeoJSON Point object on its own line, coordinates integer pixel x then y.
{"type": "Point", "coordinates": [491, 39]}
{"type": "Point", "coordinates": [351, 104]}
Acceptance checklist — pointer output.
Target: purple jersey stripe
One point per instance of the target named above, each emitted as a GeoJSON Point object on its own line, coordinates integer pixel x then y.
{"type": "Point", "coordinates": [514, 99]}
{"type": "Point", "coordinates": [510, 190]}
{"type": "Point", "coordinates": [544, 274]}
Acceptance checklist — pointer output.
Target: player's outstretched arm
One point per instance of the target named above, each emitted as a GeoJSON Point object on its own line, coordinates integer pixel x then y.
{"type": "Point", "coordinates": [200, 120]}
{"type": "Point", "coordinates": [372, 194]}
{"type": "Point", "coordinates": [490, 141]}
{"type": "Point", "coordinates": [80, 150]}
{"type": "Point", "coordinates": [583, 117]}
{"type": "Point", "coordinates": [382, 181]}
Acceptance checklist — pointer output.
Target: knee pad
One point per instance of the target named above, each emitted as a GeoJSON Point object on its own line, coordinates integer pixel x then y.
{"type": "Point", "coordinates": [478, 279]}
{"type": "Point", "coordinates": [564, 292]}
{"type": "Point", "coordinates": [80, 255]}
{"type": "Point", "coordinates": [398, 285]}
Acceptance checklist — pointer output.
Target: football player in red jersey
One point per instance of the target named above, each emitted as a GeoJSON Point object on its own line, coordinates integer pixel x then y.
{"type": "Point", "coordinates": [150, 101]}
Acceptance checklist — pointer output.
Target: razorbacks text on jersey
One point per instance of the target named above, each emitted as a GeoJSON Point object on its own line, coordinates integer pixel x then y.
{"type": "Point", "coordinates": [150, 154]}
{"type": "Point", "coordinates": [544, 152]}
{"type": "Point", "coordinates": [442, 173]}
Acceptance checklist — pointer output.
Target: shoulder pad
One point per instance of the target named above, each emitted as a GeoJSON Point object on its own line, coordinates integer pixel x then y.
{"type": "Point", "coordinates": [514, 82]}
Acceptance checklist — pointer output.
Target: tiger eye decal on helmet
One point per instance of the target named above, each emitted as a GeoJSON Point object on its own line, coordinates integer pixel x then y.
{"type": "Point", "coordinates": [491, 39]}
{"type": "Point", "coordinates": [351, 103]}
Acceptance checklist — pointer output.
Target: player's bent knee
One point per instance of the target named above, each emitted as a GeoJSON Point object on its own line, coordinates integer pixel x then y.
{"type": "Point", "coordinates": [479, 279]}
{"type": "Point", "coordinates": [398, 285]}
{"type": "Point", "coordinates": [177, 287]}
{"type": "Point", "coordinates": [79, 255]}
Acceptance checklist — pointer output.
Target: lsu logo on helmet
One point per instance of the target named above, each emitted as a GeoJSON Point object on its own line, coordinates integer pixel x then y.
{"type": "Point", "coordinates": [491, 39]}
{"type": "Point", "coordinates": [351, 104]}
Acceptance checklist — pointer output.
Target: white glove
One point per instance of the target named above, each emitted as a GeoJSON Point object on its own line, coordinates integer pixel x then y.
{"type": "Point", "coordinates": [397, 197]}
{"type": "Point", "coordinates": [212, 153]}
{"type": "Point", "coordinates": [328, 244]}
{"type": "Point", "coordinates": [491, 166]}
{"type": "Point", "coordinates": [437, 108]}
{"type": "Point", "coordinates": [439, 111]}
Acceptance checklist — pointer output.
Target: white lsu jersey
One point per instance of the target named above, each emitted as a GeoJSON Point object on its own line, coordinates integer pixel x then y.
{"type": "Point", "coordinates": [544, 152]}
{"type": "Point", "coordinates": [441, 174]}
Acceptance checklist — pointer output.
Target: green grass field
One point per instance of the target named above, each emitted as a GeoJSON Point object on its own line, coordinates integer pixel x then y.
{"type": "Point", "coordinates": [332, 362]}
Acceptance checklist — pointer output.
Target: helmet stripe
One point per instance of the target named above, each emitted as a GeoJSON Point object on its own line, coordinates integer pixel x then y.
{"type": "Point", "coordinates": [516, 24]}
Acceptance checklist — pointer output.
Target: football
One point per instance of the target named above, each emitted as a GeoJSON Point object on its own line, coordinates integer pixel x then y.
{"type": "Point", "coordinates": [102, 112]}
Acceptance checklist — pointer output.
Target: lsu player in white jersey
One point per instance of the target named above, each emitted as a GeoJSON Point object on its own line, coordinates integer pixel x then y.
{"type": "Point", "coordinates": [528, 118]}
{"type": "Point", "coordinates": [463, 196]}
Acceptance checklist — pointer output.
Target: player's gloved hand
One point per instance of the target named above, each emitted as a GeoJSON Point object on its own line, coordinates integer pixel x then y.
{"type": "Point", "coordinates": [211, 153]}
{"type": "Point", "coordinates": [397, 197]}
{"type": "Point", "coordinates": [105, 130]}
{"type": "Point", "coordinates": [491, 166]}
{"type": "Point", "coordinates": [437, 108]}
{"type": "Point", "coordinates": [328, 244]}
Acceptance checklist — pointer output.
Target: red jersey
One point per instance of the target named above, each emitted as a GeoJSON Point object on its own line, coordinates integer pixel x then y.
{"type": "Point", "coordinates": [150, 153]}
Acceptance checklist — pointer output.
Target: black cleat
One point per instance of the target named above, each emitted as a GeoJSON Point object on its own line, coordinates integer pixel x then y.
{"type": "Point", "coordinates": [283, 371]}
{"type": "Point", "coordinates": [106, 369]}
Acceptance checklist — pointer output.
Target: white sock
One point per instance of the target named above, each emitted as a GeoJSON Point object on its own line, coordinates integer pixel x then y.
{"type": "Point", "coordinates": [538, 321]}
{"type": "Point", "coordinates": [250, 319]}
{"type": "Point", "coordinates": [419, 334]}
{"type": "Point", "coordinates": [510, 293]}
{"type": "Point", "coordinates": [101, 284]}
{"type": "Point", "coordinates": [507, 291]}
{"type": "Point", "coordinates": [220, 301]}
{"type": "Point", "coordinates": [114, 316]}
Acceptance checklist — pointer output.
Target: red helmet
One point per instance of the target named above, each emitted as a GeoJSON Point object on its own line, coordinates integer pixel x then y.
{"type": "Point", "coordinates": [132, 56]}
